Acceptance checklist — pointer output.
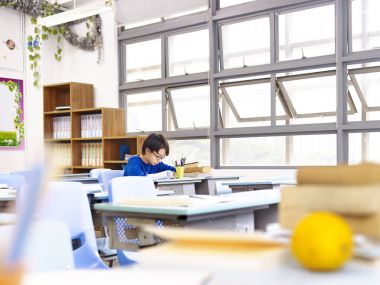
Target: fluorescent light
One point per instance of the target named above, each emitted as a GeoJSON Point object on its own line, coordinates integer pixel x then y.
{"type": "Point", "coordinates": [76, 13]}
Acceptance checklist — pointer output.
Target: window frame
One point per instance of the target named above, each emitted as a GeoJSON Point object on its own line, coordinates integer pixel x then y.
{"type": "Point", "coordinates": [212, 19]}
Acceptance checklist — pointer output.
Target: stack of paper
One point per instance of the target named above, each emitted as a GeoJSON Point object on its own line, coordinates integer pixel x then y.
{"type": "Point", "coordinates": [350, 191]}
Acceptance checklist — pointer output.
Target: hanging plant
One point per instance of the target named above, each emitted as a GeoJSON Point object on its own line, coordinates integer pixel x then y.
{"type": "Point", "coordinates": [42, 8]}
{"type": "Point", "coordinates": [34, 46]}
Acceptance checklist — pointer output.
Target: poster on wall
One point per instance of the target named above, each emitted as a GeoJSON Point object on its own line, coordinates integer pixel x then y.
{"type": "Point", "coordinates": [11, 114]}
{"type": "Point", "coordinates": [11, 40]}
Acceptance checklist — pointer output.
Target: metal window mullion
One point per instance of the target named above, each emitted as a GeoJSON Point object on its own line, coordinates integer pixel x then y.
{"type": "Point", "coordinates": [273, 24]}
{"type": "Point", "coordinates": [164, 114]}
{"type": "Point", "coordinates": [349, 27]}
{"type": "Point", "coordinates": [122, 69]}
{"type": "Point", "coordinates": [215, 54]}
{"type": "Point", "coordinates": [220, 47]}
{"type": "Point", "coordinates": [341, 79]}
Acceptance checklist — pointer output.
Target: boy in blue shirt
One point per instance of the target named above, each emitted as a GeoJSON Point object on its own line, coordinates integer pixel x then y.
{"type": "Point", "coordinates": [154, 150]}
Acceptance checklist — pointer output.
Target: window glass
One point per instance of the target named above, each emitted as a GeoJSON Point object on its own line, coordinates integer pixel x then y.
{"type": "Point", "coordinates": [143, 111]}
{"type": "Point", "coordinates": [365, 24]}
{"type": "Point", "coordinates": [364, 147]}
{"type": "Point", "coordinates": [186, 57]}
{"type": "Point", "coordinates": [307, 33]}
{"type": "Point", "coordinates": [246, 43]}
{"type": "Point", "coordinates": [310, 99]}
{"type": "Point", "coordinates": [143, 60]}
{"type": "Point", "coordinates": [279, 151]}
{"type": "Point", "coordinates": [226, 3]}
{"type": "Point", "coordinates": [245, 104]}
{"type": "Point", "coordinates": [191, 106]}
{"type": "Point", "coordinates": [197, 150]}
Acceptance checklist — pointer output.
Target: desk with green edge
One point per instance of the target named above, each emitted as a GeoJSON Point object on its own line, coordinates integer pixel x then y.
{"type": "Point", "coordinates": [236, 212]}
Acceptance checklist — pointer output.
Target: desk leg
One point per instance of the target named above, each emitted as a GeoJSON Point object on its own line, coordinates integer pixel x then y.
{"type": "Point", "coordinates": [266, 216]}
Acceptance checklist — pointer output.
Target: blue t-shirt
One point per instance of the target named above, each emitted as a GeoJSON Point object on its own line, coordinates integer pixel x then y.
{"type": "Point", "coordinates": [137, 167]}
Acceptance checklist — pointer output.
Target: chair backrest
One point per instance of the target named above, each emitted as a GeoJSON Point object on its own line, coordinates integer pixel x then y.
{"type": "Point", "coordinates": [105, 177]}
{"type": "Point", "coordinates": [27, 174]}
{"type": "Point", "coordinates": [132, 187]}
{"type": "Point", "coordinates": [47, 248]}
{"type": "Point", "coordinates": [67, 201]}
{"type": "Point", "coordinates": [14, 181]}
{"type": "Point", "coordinates": [94, 173]}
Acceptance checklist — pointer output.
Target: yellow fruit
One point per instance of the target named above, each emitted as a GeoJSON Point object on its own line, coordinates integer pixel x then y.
{"type": "Point", "coordinates": [322, 241]}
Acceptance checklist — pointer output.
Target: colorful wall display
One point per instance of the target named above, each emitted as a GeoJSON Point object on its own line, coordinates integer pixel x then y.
{"type": "Point", "coordinates": [11, 114]}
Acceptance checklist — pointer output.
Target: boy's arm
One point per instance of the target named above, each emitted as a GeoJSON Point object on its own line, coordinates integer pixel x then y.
{"type": "Point", "coordinates": [162, 167]}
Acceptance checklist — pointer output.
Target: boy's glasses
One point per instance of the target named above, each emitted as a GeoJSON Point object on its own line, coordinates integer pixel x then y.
{"type": "Point", "coordinates": [158, 156]}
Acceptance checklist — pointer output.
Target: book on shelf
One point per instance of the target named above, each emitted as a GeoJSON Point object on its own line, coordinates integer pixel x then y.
{"type": "Point", "coordinates": [91, 125]}
{"type": "Point", "coordinates": [61, 127]}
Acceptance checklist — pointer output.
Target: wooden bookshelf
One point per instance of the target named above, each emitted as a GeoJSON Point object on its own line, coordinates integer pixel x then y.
{"type": "Point", "coordinates": [80, 98]}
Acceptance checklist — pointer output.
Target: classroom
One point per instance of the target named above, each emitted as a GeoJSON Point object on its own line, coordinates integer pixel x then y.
{"type": "Point", "coordinates": [200, 142]}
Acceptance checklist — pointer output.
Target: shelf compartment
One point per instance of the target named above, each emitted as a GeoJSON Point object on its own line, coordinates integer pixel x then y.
{"type": "Point", "coordinates": [111, 146]}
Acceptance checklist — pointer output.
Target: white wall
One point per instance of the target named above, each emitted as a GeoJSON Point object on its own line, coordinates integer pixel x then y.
{"type": "Point", "coordinates": [81, 66]}
{"type": "Point", "coordinates": [77, 65]}
{"type": "Point", "coordinates": [13, 159]}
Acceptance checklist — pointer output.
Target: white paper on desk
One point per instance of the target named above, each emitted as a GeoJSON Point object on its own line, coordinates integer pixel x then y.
{"type": "Point", "coordinates": [167, 174]}
{"type": "Point", "coordinates": [175, 201]}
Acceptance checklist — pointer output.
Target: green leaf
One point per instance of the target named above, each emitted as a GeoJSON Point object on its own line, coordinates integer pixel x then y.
{"type": "Point", "coordinates": [33, 20]}
{"type": "Point", "coordinates": [31, 66]}
{"type": "Point", "coordinates": [36, 30]}
{"type": "Point", "coordinates": [53, 31]}
{"type": "Point", "coordinates": [45, 29]}
{"type": "Point", "coordinates": [35, 83]}
{"type": "Point", "coordinates": [62, 30]}
{"type": "Point", "coordinates": [29, 38]}
{"type": "Point", "coordinates": [59, 58]}
{"type": "Point", "coordinates": [35, 64]}
{"type": "Point", "coordinates": [88, 34]}
{"type": "Point", "coordinates": [87, 25]}
{"type": "Point", "coordinates": [30, 49]}
{"type": "Point", "coordinates": [56, 56]}
{"type": "Point", "coordinates": [31, 57]}
{"type": "Point", "coordinates": [59, 51]}
{"type": "Point", "coordinates": [37, 56]}
{"type": "Point", "coordinates": [44, 36]}
{"type": "Point", "coordinates": [37, 48]}
{"type": "Point", "coordinates": [59, 39]}
{"type": "Point", "coordinates": [36, 75]}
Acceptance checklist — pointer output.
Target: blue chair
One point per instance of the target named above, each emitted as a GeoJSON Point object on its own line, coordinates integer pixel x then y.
{"type": "Point", "coordinates": [105, 178]}
{"type": "Point", "coordinates": [14, 181]}
{"type": "Point", "coordinates": [123, 188]}
{"type": "Point", "coordinates": [27, 174]}
{"type": "Point", "coordinates": [67, 201]}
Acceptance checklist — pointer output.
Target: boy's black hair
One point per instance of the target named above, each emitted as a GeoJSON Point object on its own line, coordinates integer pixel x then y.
{"type": "Point", "coordinates": [155, 142]}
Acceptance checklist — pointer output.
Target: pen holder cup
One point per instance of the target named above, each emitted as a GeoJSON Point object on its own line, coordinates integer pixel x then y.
{"type": "Point", "coordinates": [180, 171]}
{"type": "Point", "coordinates": [11, 275]}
